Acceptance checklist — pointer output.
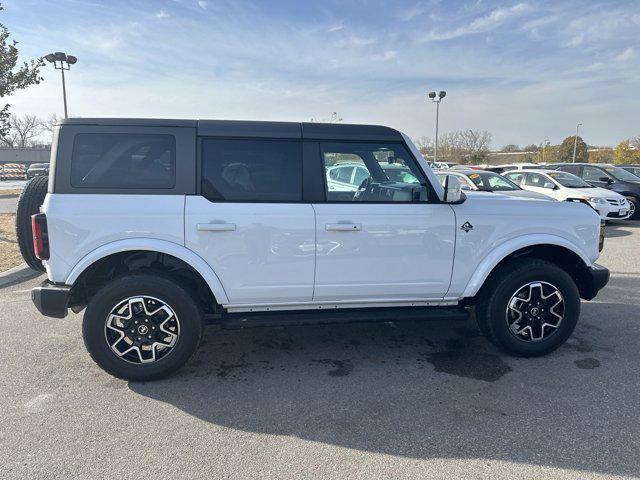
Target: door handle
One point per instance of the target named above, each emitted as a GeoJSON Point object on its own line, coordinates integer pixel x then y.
{"type": "Point", "coordinates": [343, 227]}
{"type": "Point", "coordinates": [216, 227]}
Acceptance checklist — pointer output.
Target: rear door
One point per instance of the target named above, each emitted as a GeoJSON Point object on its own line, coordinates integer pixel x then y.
{"type": "Point", "coordinates": [249, 222]}
{"type": "Point", "coordinates": [386, 241]}
{"type": "Point", "coordinates": [537, 182]}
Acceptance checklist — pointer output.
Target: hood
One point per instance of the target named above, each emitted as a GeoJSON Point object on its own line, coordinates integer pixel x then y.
{"type": "Point", "coordinates": [596, 192]}
{"type": "Point", "coordinates": [528, 194]}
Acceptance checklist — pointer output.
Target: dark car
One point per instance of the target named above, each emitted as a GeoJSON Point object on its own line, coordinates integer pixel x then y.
{"type": "Point", "coordinates": [635, 169]}
{"type": "Point", "coordinates": [37, 169]}
{"type": "Point", "coordinates": [608, 176]}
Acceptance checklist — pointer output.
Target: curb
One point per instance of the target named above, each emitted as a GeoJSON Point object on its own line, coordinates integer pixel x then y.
{"type": "Point", "coordinates": [17, 274]}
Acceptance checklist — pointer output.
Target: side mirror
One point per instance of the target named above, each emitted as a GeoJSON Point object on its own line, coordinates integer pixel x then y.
{"type": "Point", "coordinates": [549, 185]}
{"type": "Point", "coordinates": [605, 180]}
{"type": "Point", "coordinates": [453, 190]}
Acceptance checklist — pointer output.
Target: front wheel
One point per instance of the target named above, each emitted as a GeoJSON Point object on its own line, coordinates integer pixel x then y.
{"type": "Point", "coordinates": [142, 327]}
{"type": "Point", "coordinates": [529, 308]}
{"type": "Point", "coordinates": [634, 208]}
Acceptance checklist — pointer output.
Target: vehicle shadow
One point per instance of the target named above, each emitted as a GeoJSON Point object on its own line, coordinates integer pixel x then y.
{"type": "Point", "coordinates": [427, 389]}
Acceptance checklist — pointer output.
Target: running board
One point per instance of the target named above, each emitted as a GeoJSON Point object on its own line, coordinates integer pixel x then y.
{"type": "Point", "coordinates": [306, 317]}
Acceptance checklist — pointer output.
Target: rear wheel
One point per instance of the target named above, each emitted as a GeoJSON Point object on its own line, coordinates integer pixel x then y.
{"type": "Point", "coordinates": [529, 308]}
{"type": "Point", "coordinates": [31, 198]}
{"type": "Point", "coordinates": [142, 327]}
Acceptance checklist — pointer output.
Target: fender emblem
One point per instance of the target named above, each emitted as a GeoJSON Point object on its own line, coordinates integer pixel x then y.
{"type": "Point", "coordinates": [466, 226]}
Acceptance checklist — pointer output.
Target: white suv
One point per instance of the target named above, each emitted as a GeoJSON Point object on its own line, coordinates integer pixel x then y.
{"type": "Point", "coordinates": [157, 227]}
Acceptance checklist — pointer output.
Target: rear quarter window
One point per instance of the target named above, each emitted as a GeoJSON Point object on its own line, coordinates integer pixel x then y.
{"type": "Point", "coordinates": [123, 161]}
{"type": "Point", "coordinates": [235, 170]}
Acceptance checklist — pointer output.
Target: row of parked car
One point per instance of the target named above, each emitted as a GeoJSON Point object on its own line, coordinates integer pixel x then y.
{"type": "Point", "coordinates": [19, 171]}
{"type": "Point", "coordinates": [613, 191]}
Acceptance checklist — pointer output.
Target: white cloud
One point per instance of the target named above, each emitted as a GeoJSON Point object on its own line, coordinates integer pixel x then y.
{"type": "Point", "coordinates": [482, 24]}
{"type": "Point", "coordinates": [162, 14]}
{"type": "Point", "coordinates": [412, 12]}
{"type": "Point", "coordinates": [574, 41]}
{"type": "Point", "coordinates": [626, 54]}
{"type": "Point", "coordinates": [203, 3]}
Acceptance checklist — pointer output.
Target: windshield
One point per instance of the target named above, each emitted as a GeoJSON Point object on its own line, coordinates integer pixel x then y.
{"type": "Point", "coordinates": [620, 174]}
{"type": "Point", "coordinates": [492, 182]}
{"type": "Point", "coordinates": [569, 180]}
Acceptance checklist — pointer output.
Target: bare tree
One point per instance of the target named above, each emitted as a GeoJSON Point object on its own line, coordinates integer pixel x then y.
{"type": "Point", "coordinates": [464, 146]}
{"type": "Point", "coordinates": [51, 122]}
{"type": "Point", "coordinates": [334, 118]}
{"type": "Point", "coordinates": [425, 145]}
{"type": "Point", "coordinates": [635, 141]}
{"type": "Point", "coordinates": [510, 148]}
{"type": "Point", "coordinates": [23, 131]}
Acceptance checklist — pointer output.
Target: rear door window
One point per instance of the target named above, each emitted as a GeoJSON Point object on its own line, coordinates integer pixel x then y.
{"type": "Point", "coordinates": [123, 161]}
{"type": "Point", "coordinates": [252, 170]}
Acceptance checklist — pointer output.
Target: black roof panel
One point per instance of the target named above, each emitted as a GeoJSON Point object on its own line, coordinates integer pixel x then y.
{"type": "Point", "coordinates": [258, 129]}
{"type": "Point", "coordinates": [241, 128]}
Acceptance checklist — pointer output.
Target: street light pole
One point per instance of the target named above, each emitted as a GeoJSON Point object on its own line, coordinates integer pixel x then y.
{"type": "Point", "coordinates": [575, 143]}
{"type": "Point", "coordinates": [440, 96]}
{"type": "Point", "coordinates": [59, 59]}
{"type": "Point", "coordinates": [544, 145]}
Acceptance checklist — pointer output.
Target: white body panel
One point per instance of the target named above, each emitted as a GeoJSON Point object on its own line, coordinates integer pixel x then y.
{"type": "Point", "coordinates": [262, 252]}
{"type": "Point", "coordinates": [383, 251]}
{"type": "Point", "coordinates": [503, 225]}
{"type": "Point", "coordinates": [81, 224]}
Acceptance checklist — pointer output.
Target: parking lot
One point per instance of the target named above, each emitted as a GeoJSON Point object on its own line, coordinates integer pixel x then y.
{"type": "Point", "coordinates": [405, 400]}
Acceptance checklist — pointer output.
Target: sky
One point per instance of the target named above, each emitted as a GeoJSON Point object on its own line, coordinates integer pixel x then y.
{"type": "Point", "coordinates": [526, 71]}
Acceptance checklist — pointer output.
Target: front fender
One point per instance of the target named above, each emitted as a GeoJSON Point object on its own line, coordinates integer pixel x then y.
{"type": "Point", "coordinates": [499, 253]}
{"type": "Point", "coordinates": [153, 245]}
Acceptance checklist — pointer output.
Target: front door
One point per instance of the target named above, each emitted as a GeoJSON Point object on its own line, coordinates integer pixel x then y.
{"type": "Point", "coordinates": [249, 223]}
{"type": "Point", "coordinates": [384, 241]}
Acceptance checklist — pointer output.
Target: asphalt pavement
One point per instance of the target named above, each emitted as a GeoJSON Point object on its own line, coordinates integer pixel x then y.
{"type": "Point", "coordinates": [394, 400]}
{"type": "Point", "coordinates": [8, 204]}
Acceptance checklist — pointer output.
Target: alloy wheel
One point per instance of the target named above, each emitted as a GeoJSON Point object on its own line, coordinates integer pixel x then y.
{"type": "Point", "coordinates": [142, 329]}
{"type": "Point", "coordinates": [535, 311]}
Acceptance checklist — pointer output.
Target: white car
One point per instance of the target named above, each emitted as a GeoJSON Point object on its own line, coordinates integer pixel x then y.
{"type": "Point", "coordinates": [566, 186]}
{"type": "Point", "coordinates": [155, 227]}
{"type": "Point", "coordinates": [483, 181]}
{"type": "Point", "coordinates": [347, 177]}
{"type": "Point", "coordinates": [444, 165]}
{"type": "Point", "coordinates": [512, 166]}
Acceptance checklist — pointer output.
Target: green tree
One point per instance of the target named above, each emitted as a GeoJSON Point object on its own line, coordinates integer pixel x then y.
{"type": "Point", "coordinates": [12, 76]}
{"type": "Point", "coordinates": [566, 150]}
{"type": "Point", "coordinates": [625, 154]}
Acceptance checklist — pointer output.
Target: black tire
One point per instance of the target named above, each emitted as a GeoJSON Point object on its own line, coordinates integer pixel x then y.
{"type": "Point", "coordinates": [491, 311]}
{"type": "Point", "coordinates": [31, 198]}
{"type": "Point", "coordinates": [635, 204]}
{"type": "Point", "coordinates": [175, 296]}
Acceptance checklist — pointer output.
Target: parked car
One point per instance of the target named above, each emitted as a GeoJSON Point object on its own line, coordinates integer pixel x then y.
{"type": "Point", "coordinates": [348, 177]}
{"type": "Point", "coordinates": [445, 165]}
{"type": "Point", "coordinates": [565, 186]}
{"type": "Point", "coordinates": [37, 169]}
{"type": "Point", "coordinates": [12, 171]}
{"type": "Point", "coordinates": [635, 169]}
{"type": "Point", "coordinates": [154, 227]}
{"type": "Point", "coordinates": [485, 181]}
{"type": "Point", "coordinates": [610, 177]}
{"type": "Point", "coordinates": [511, 166]}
